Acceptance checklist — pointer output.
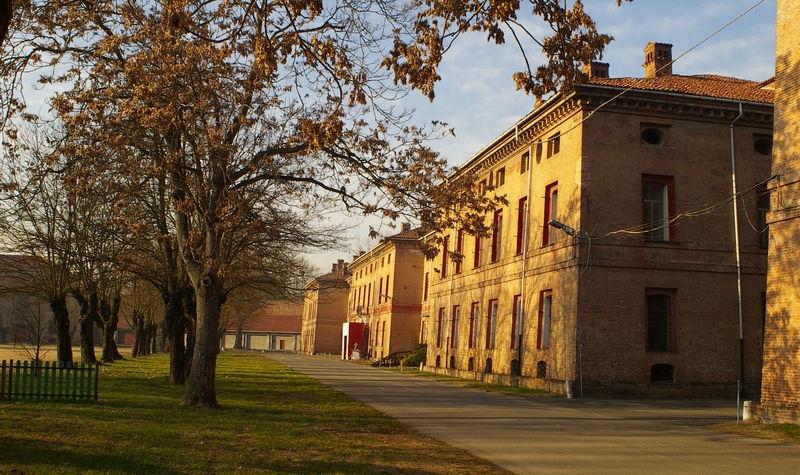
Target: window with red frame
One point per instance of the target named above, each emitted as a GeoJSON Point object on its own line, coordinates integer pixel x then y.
{"type": "Point", "coordinates": [476, 261]}
{"type": "Point", "coordinates": [445, 256]}
{"type": "Point", "coordinates": [491, 324]}
{"type": "Point", "coordinates": [658, 205]}
{"type": "Point", "coordinates": [454, 326]}
{"type": "Point", "coordinates": [439, 329]}
{"type": "Point", "coordinates": [516, 311]}
{"type": "Point", "coordinates": [497, 234]}
{"type": "Point", "coordinates": [521, 212]}
{"type": "Point", "coordinates": [550, 213]}
{"type": "Point", "coordinates": [661, 319]}
{"type": "Point", "coordinates": [459, 250]}
{"type": "Point", "coordinates": [545, 316]}
{"type": "Point", "coordinates": [474, 314]}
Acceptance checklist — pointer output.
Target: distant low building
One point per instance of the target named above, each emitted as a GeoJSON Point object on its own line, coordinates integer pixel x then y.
{"type": "Point", "coordinates": [274, 327]}
{"type": "Point", "coordinates": [325, 310]}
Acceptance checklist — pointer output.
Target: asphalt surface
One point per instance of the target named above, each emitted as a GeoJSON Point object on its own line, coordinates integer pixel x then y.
{"type": "Point", "coordinates": [557, 435]}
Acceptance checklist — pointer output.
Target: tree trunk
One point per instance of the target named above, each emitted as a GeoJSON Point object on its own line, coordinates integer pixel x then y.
{"type": "Point", "coordinates": [175, 325]}
{"type": "Point", "coordinates": [237, 343]}
{"type": "Point", "coordinates": [152, 332]}
{"type": "Point", "coordinates": [201, 385]}
{"type": "Point", "coordinates": [110, 318]}
{"type": "Point", "coordinates": [89, 315]}
{"type": "Point", "coordinates": [58, 305]}
{"type": "Point", "coordinates": [87, 340]}
{"type": "Point", "coordinates": [137, 321]}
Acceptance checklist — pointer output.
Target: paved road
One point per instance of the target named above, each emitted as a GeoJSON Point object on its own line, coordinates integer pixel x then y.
{"type": "Point", "coordinates": [556, 435]}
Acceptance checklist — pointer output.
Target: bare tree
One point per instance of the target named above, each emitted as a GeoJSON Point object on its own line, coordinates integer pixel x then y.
{"type": "Point", "coordinates": [143, 311]}
{"type": "Point", "coordinates": [39, 229]}
{"type": "Point", "coordinates": [34, 317]}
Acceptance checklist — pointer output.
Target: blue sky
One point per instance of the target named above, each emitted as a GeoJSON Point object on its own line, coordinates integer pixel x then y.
{"type": "Point", "coordinates": [477, 98]}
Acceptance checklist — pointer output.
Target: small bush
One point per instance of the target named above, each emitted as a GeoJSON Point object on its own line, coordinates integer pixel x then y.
{"type": "Point", "coordinates": [417, 356]}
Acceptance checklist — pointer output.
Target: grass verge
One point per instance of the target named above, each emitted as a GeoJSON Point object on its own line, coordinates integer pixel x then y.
{"type": "Point", "coordinates": [789, 433]}
{"type": "Point", "coordinates": [273, 420]}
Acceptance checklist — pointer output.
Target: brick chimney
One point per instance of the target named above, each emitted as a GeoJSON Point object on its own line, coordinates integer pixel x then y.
{"type": "Point", "coordinates": [405, 227]}
{"type": "Point", "coordinates": [657, 60]}
{"type": "Point", "coordinates": [595, 69]}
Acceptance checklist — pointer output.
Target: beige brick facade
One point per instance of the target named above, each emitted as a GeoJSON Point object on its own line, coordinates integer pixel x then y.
{"type": "Point", "coordinates": [324, 311]}
{"type": "Point", "coordinates": [612, 303]}
{"type": "Point", "coordinates": [780, 397]}
{"type": "Point", "coordinates": [385, 293]}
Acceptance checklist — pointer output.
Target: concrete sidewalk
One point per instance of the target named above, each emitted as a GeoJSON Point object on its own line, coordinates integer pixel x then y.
{"type": "Point", "coordinates": [556, 435]}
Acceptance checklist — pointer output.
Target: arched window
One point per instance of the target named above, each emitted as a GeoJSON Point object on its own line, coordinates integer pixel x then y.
{"type": "Point", "coordinates": [541, 369]}
{"type": "Point", "coordinates": [488, 368]}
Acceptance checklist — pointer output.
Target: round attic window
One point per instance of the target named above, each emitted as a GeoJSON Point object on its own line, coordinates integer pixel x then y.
{"type": "Point", "coordinates": [763, 146]}
{"type": "Point", "coordinates": [653, 136]}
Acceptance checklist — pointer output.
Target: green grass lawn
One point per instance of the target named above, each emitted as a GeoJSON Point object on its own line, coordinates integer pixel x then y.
{"type": "Point", "coordinates": [272, 420]}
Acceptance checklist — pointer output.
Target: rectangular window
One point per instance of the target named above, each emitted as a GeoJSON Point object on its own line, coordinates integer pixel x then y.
{"type": "Point", "coordinates": [762, 206]}
{"type": "Point", "coordinates": [539, 148]}
{"type": "Point", "coordinates": [368, 297]}
{"type": "Point", "coordinates": [545, 314]}
{"type": "Point", "coordinates": [459, 250]}
{"type": "Point", "coordinates": [521, 213]}
{"type": "Point", "coordinates": [516, 312]}
{"type": "Point", "coordinates": [380, 290]}
{"type": "Point", "coordinates": [497, 234]}
{"type": "Point", "coordinates": [500, 177]}
{"type": "Point", "coordinates": [661, 320]}
{"type": "Point", "coordinates": [658, 204]}
{"type": "Point", "coordinates": [482, 187]}
{"type": "Point", "coordinates": [427, 286]}
{"type": "Point", "coordinates": [477, 256]}
{"type": "Point", "coordinates": [473, 324]}
{"type": "Point", "coordinates": [386, 294]}
{"type": "Point", "coordinates": [454, 326]}
{"type": "Point", "coordinates": [550, 213]}
{"type": "Point", "coordinates": [554, 144]}
{"type": "Point", "coordinates": [491, 324]}
{"type": "Point", "coordinates": [439, 329]}
{"type": "Point", "coordinates": [383, 333]}
{"type": "Point", "coordinates": [524, 162]}
{"type": "Point", "coordinates": [445, 255]}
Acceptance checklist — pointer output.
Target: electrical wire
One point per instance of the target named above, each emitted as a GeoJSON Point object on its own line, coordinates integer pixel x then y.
{"type": "Point", "coordinates": [640, 80]}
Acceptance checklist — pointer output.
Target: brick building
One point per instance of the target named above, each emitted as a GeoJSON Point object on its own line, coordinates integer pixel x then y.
{"type": "Point", "coordinates": [386, 291]}
{"type": "Point", "coordinates": [325, 310]}
{"type": "Point", "coordinates": [780, 396]}
{"type": "Point", "coordinates": [613, 268]}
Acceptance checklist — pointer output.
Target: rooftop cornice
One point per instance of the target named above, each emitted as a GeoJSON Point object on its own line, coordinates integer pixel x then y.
{"type": "Point", "coordinates": [674, 104]}
{"type": "Point", "coordinates": [524, 132]}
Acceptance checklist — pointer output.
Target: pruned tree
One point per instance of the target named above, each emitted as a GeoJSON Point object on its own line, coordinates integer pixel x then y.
{"type": "Point", "coordinates": [143, 310]}
{"type": "Point", "coordinates": [39, 228]}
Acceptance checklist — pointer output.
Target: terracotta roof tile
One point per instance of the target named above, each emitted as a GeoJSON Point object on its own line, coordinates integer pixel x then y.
{"type": "Point", "coordinates": [708, 85]}
{"type": "Point", "coordinates": [410, 234]}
